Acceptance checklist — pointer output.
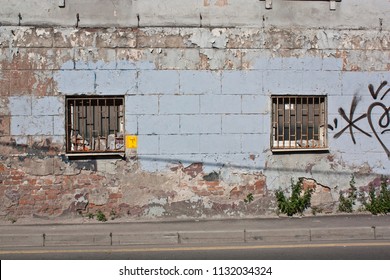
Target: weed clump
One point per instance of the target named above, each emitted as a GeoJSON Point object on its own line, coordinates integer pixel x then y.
{"type": "Point", "coordinates": [298, 201]}
{"type": "Point", "coordinates": [378, 201]}
{"type": "Point", "coordinates": [347, 200]}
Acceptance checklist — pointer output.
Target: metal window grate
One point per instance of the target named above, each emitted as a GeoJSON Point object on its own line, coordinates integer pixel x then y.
{"type": "Point", "coordinates": [299, 122]}
{"type": "Point", "coordinates": [94, 124]}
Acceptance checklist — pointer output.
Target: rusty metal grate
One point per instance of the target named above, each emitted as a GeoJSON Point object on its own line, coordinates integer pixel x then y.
{"type": "Point", "coordinates": [94, 124]}
{"type": "Point", "coordinates": [299, 122]}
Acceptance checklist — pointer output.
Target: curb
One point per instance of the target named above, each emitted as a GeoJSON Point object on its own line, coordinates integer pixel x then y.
{"type": "Point", "coordinates": [195, 237]}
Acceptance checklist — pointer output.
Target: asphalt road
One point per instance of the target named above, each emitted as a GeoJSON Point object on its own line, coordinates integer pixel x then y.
{"type": "Point", "coordinates": [360, 250]}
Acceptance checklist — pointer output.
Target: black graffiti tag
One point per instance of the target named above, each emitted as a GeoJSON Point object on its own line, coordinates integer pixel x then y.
{"type": "Point", "coordinates": [351, 123]}
{"type": "Point", "coordinates": [383, 122]}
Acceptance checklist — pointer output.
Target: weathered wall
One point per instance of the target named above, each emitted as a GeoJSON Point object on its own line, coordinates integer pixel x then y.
{"type": "Point", "coordinates": [355, 14]}
{"type": "Point", "coordinates": [199, 100]}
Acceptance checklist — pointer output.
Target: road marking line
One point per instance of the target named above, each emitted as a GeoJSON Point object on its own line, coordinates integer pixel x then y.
{"type": "Point", "coordinates": [213, 248]}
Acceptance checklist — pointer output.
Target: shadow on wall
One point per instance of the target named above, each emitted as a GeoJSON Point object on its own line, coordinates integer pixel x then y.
{"type": "Point", "coordinates": [211, 165]}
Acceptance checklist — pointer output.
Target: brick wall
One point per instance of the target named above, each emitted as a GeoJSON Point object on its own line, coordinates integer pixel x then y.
{"type": "Point", "coordinates": [199, 101]}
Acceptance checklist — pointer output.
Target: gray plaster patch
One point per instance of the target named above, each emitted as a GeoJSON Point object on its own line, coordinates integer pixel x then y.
{"type": "Point", "coordinates": [155, 211]}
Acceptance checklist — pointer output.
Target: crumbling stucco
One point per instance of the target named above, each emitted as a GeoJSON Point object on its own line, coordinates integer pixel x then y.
{"type": "Point", "coordinates": [198, 98]}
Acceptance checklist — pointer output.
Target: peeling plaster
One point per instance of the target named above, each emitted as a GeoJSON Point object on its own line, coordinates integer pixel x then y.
{"type": "Point", "coordinates": [181, 77]}
{"type": "Point", "coordinates": [204, 38]}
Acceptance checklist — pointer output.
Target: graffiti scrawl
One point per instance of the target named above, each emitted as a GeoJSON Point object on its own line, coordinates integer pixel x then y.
{"type": "Point", "coordinates": [377, 105]}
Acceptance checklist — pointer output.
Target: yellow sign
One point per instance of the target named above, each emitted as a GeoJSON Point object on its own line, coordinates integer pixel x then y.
{"type": "Point", "coordinates": [131, 142]}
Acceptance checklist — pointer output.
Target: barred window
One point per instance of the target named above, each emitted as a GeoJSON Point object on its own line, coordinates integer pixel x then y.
{"type": "Point", "coordinates": [94, 124]}
{"type": "Point", "coordinates": [299, 122]}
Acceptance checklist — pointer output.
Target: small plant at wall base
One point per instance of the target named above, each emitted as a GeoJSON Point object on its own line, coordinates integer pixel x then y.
{"type": "Point", "coordinates": [100, 216]}
{"type": "Point", "coordinates": [298, 201]}
{"type": "Point", "coordinates": [249, 198]}
{"type": "Point", "coordinates": [378, 203]}
{"type": "Point", "coordinates": [316, 210]}
{"type": "Point", "coordinates": [113, 214]}
{"type": "Point", "coordinates": [346, 203]}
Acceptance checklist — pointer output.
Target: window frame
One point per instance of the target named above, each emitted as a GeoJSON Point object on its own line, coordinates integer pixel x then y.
{"type": "Point", "coordinates": [292, 145]}
{"type": "Point", "coordinates": [72, 139]}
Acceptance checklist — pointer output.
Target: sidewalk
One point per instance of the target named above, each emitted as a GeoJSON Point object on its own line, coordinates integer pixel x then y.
{"type": "Point", "coordinates": [262, 231]}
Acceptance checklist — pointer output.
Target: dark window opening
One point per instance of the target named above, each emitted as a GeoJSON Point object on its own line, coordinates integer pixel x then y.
{"type": "Point", "coordinates": [299, 122]}
{"type": "Point", "coordinates": [94, 124]}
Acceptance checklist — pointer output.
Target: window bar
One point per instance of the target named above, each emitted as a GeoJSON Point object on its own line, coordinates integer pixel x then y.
{"type": "Point", "coordinates": [303, 122]}
{"type": "Point", "coordinates": [289, 122]}
{"type": "Point", "coordinates": [75, 121]}
{"type": "Point", "coordinates": [315, 131]}
{"type": "Point", "coordinates": [324, 113]}
{"type": "Point", "coordinates": [276, 140]}
{"type": "Point", "coordinates": [281, 122]}
{"type": "Point", "coordinates": [313, 119]}
{"type": "Point", "coordinates": [93, 145]}
{"type": "Point", "coordinates": [317, 121]}
{"type": "Point", "coordinates": [99, 128]}
{"type": "Point", "coordinates": [277, 123]}
{"type": "Point", "coordinates": [114, 121]}
{"type": "Point", "coordinates": [69, 126]}
{"type": "Point", "coordinates": [106, 124]}
{"type": "Point", "coordinates": [85, 126]}
{"type": "Point", "coordinates": [78, 107]}
{"type": "Point", "coordinates": [80, 119]}
{"type": "Point", "coordinates": [91, 121]}
{"type": "Point", "coordinates": [307, 121]}
{"type": "Point", "coordinates": [325, 121]}
{"type": "Point", "coordinates": [101, 123]}
{"type": "Point", "coordinates": [283, 118]}
{"type": "Point", "coordinates": [295, 124]}
{"type": "Point", "coordinates": [272, 137]}
{"type": "Point", "coordinates": [71, 129]}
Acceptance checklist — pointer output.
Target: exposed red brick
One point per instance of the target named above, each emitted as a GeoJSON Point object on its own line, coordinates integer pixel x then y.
{"type": "Point", "coordinates": [193, 170]}
{"type": "Point", "coordinates": [48, 181]}
{"type": "Point", "coordinates": [26, 201]}
{"type": "Point", "coordinates": [5, 80]}
{"type": "Point", "coordinates": [235, 193]}
{"type": "Point", "coordinates": [25, 82]}
{"type": "Point", "coordinates": [31, 182]}
{"type": "Point", "coordinates": [309, 184]}
{"type": "Point", "coordinates": [52, 192]}
{"type": "Point", "coordinates": [95, 177]}
{"type": "Point", "coordinates": [217, 191]}
{"type": "Point", "coordinates": [259, 186]}
{"type": "Point", "coordinates": [17, 177]}
{"type": "Point", "coordinates": [83, 182]}
{"type": "Point", "coordinates": [115, 195]}
{"type": "Point", "coordinates": [39, 197]}
{"type": "Point", "coordinates": [211, 183]}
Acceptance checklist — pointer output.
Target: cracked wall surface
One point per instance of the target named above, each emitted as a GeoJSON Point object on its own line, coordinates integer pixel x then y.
{"type": "Point", "coordinates": [199, 100]}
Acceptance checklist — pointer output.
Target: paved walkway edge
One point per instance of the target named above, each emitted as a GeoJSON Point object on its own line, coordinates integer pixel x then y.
{"type": "Point", "coordinates": [195, 237]}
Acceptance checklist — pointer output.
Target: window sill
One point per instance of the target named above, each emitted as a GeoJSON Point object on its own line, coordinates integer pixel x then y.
{"type": "Point", "coordinates": [119, 153]}
{"type": "Point", "coordinates": [292, 150]}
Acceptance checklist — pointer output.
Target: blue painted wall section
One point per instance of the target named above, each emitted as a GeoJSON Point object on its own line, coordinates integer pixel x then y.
{"type": "Point", "coordinates": [199, 101]}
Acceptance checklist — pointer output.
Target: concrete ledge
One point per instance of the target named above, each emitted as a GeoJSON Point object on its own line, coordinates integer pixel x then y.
{"type": "Point", "coordinates": [21, 240]}
{"type": "Point", "coordinates": [195, 237]}
{"type": "Point", "coordinates": [293, 235]}
{"type": "Point", "coordinates": [77, 240]}
{"type": "Point", "coordinates": [211, 237]}
{"type": "Point", "coordinates": [355, 233]}
{"type": "Point", "coordinates": [161, 238]}
{"type": "Point", "coordinates": [382, 233]}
